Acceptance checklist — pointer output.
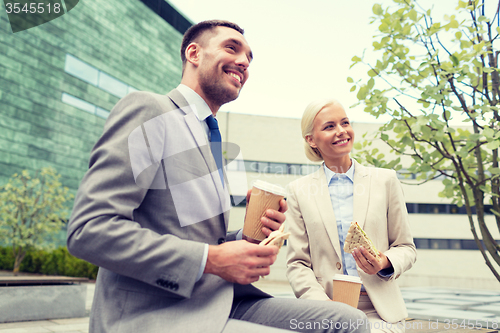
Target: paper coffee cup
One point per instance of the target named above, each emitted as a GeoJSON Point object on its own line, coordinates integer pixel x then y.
{"type": "Point", "coordinates": [264, 196]}
{"type": "Point", "coordinates": [346, 289]}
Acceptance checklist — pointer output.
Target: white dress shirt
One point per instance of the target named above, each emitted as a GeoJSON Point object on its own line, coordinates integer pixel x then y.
{"type": "Point", "coordinates": [341, 186]}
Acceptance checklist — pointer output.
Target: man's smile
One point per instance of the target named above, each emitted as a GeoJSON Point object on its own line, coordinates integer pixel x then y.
{"type": "Point", "coordinates": [235, 76]}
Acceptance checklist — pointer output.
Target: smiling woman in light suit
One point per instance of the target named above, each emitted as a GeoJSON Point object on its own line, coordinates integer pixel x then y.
{"type": "Point", "coordinates": [322, 206]}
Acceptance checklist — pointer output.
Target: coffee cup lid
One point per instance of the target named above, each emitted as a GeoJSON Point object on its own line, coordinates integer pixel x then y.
{"type": "Point", "coordinates": [268, 187]}
{"type": "Point", "coordinates": [347, 278]}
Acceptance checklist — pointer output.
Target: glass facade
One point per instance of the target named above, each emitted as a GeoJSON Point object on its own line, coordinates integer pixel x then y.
{"type": "Point", "coordinates": [83, 105]}
{"type": "Point", "coordinates": [95, 77]}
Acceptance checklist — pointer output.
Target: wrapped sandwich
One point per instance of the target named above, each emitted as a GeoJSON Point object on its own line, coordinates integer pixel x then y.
{"type": "Point", "coordinates": [276, 237]}
{"type": "Point", "coordinates": [356, 238]}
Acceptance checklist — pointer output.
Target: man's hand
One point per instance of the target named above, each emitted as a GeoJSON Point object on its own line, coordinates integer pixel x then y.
{"type": "Point", "coordinates": [240, 261]}
{"type": "Point", "coordinates": [273, 219]}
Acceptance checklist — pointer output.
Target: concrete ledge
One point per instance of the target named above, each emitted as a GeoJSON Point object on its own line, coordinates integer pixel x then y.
{"type": "Point", "coordinates": [38, 280]}
{"type": "Point", "coordinates": [20, 303]}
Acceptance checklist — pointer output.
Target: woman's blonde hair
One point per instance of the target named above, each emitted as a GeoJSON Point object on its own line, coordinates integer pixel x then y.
{"type": "Point", "coordinates": [307, 125]}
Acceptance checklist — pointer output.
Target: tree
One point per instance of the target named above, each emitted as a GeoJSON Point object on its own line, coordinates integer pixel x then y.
{"type": "Point", "coordinates": [427, 76]}
{"type": "Point", "coordinates": [32, 210]}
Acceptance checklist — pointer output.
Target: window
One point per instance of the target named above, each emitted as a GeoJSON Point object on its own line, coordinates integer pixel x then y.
{"type": "Point", "coordinates": [438, 244]}
{"type": "Point", "coordinates": [112, 85]}
{"type": "Point", "coordinates": [81, 70]}
{"type": "Point", "coordinates": [263, 167]}
{"type": "Point", "coordinates": [412, 208]}
{"type": "Point", "coordinates": [421, 243]}
{"type": "Point", "coordinates": [308, 169]}
{"type": "Point", "coordinates": [251, 166]}
{"type": "Point", "coordinates": [469, 244]}
{"type": "Point", "coordinates": [101, 112]}
{"type": "Point", "coordinates": [83, 105]}
{"type": "Point", "coordinates": [78, 103]}
{"type": "Point", "coordinates": [455, 244]}
{"type": "Point", "coordinates": [405, 174]}
{"type": "Point", "coordinates": [446, 244]}
{"type": "Point", "coordinates": [294, 169]}
{"type": "Point", "coordinates": [432, 208]}
{"type": "Point", "coordinates": [271, 167]}
{"type": "Point", "coordinates": [96, 77]}
{"type": "Point", "coordinates": [422, 208]}
{"type": "Point", "coordinates": [131, 89]}
{"type": "Point", "coordinates": [278, 168]}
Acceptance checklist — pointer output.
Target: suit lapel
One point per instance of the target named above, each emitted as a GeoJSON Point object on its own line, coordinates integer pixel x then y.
{"type": "Point", "coordinates": [325, 209]}
{"type": "Point", "coordinates": [361, 193]}
{"type": "Point", "coordinates": [193, 123]}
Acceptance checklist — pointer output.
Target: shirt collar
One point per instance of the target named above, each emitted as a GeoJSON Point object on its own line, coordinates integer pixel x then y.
{"type": "Point", "coordinates": [201, 108]}
{"type": "Point", "coordinates": [329, 173]}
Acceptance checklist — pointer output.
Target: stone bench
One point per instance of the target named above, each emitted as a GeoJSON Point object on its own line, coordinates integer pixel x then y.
{"type": "Point", "coordinates": [41, 297]}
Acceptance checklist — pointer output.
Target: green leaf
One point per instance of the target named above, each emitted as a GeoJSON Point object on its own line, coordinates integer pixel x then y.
{"type": "Point", "coordinates": [377, 9]}
{"type": "Point", "coordinates": [356, 59]}
{"type": "Point", "coordinates": [483, 19]}
{"type": "Point", "coordinates": [447, 114]}
{"type": "Point", "coordinates": [407, 141]}
{"type": "Point", "coordinates": [495, 212]}
{"type": "Point", "coordinates": [350, 80]}
{"type": "Point", "coordinates": [413, 15]}
{"type": "Point", "coordinates": [493, 144]}
{"type": "Point", "coordinates": [494, 171]}
{"type": "Point", "coordinates": [362, 92]}
{"type": "Point", "coordinates": [488, 133]}
{"type": "Point", "coordinates": [370, 84]}
{"type": "Point", "coordinates": [372, 73]}
{"type": "Point", "coordinates": [478, 47]}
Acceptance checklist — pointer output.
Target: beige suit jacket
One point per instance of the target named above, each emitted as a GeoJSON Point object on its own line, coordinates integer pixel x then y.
{"type": "Point", "coordinates": [314, 254]}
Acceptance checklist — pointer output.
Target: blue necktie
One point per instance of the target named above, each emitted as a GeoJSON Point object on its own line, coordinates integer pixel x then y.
{"type": "Point", "coordinates": [215, 144]}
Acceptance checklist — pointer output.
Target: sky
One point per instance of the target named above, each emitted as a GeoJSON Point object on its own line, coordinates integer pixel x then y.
{"type": "Point", "coordinates": [302, 50]}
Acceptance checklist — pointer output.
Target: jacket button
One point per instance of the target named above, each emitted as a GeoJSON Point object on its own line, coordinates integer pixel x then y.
{"type": "Point", "coordinates": [221, 240]}
{"type": "Point", "coordinates": [339, 265]}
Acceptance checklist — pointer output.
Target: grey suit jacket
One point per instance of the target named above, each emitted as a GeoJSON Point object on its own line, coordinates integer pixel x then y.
{"type": "Point", "coordinates": [150, 200]}
{"type": "Point", "coordinates": [314, 253]}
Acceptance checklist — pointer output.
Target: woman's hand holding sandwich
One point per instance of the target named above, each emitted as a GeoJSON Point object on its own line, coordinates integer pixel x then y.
{"type": "Point", "coordinates": [368, 263]}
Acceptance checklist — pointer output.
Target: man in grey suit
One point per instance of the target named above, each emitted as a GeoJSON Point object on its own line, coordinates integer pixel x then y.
{"type": "Point", "coordinates": [152, 213]}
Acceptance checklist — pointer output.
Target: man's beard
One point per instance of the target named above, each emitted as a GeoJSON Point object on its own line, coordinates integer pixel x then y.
{"type": "Point", "coordinates": [215, 90]}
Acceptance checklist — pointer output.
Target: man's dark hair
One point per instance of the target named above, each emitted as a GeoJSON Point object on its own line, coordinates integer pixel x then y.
{"type": "Point", "coordinates": [195, 31]}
